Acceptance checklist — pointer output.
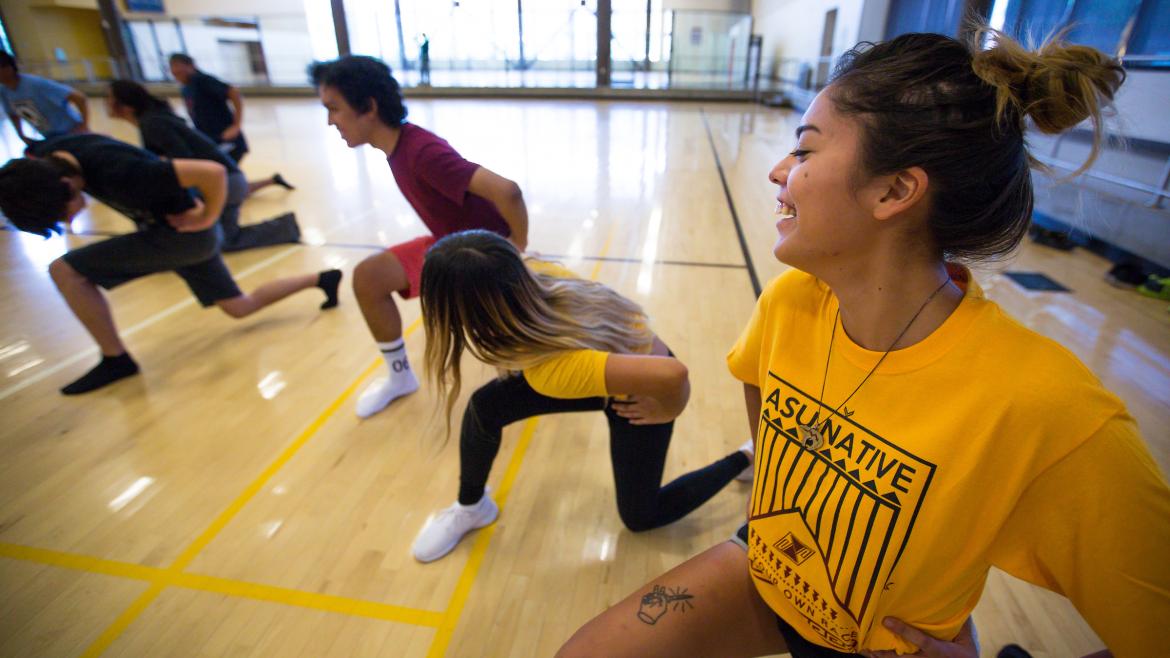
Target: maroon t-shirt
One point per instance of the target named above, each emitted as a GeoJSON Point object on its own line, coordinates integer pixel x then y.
{"type": "Point", "coordinates": [434, 178]}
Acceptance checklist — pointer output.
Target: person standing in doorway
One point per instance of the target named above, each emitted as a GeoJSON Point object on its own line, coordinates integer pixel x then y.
{"type": "Point", "coordinates": [51, 107]}
{"type": "Point", "coordinates": [450, 194]}
{"type": "Point", "coordinates": [424, 60]}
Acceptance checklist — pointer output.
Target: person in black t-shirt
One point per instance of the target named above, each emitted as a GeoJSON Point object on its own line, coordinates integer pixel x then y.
{"type": "Point", "coordinates": [207, 100]}
{"type": "Point", "coordinates": [177, 232]}
{"type": "Point", "coordinates": [165, 134]}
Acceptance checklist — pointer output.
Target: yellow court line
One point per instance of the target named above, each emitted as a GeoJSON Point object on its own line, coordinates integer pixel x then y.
{"type": "Point", "coordinates": [123, 621]}
{"type": "Point", "coordinates": [187, 556]}
{"type": "Point", "coordinates": [327, 602]}
{"type": "Point", "coordinates": [225, 517]}
{"type": "Point", "coordinates": [76, 562]}
{"type": "Point", "coordinates": [479, 549]}
{"type": "Point", "coordinates": [224, 586]}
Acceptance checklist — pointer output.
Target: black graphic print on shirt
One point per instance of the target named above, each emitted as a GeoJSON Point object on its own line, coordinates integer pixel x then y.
{"type": "Point", "coordinates": [827, 526]}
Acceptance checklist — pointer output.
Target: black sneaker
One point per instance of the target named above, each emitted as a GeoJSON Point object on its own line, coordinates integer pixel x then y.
{"type": "Point", "coordinates": [1054, 239]}
{"type": "Point", "coordinates": [279, 180]}
{"type": "Point", "coordinates": [1013, 651]}
{"type": "Point", "coordinates": [1126, 275]}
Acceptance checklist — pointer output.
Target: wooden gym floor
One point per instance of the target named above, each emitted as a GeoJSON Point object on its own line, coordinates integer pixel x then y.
{"type": "Point", "coordinates": [227, 502]}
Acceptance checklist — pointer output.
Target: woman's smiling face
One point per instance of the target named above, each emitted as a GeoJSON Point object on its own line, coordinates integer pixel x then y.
{"type": "Point", "coordinates": [821, 206]}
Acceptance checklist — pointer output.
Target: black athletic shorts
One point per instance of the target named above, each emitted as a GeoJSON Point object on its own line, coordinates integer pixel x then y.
{"type": "Point", "coordinates": [797, 645]}
{"type": "Point", "coordinates": [193, 256]}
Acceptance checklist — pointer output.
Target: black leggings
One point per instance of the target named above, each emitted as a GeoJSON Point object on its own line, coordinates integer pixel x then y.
{"type": "Point", "coordinates": [638, 453]}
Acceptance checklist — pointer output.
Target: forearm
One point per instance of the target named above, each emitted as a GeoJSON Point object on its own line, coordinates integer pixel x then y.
{"type": "Point", "coordinates": [508, 200]}
{"type": "Point", "coordinates": [210, 179]}
{"type": "Point", "coordinates": [515, 213]}
{"type": "Point", "coordinates": [214, 199]}
{"type": "Point", "coordinates": [82, 105]}
{"type": "Point", "coordinates": [237, 108]}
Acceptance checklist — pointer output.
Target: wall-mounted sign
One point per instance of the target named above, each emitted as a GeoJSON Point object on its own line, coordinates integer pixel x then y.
{"type": "Point", "coordinates": [145, 5]}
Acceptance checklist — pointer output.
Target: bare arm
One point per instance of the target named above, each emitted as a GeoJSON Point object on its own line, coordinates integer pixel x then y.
{"type": "Point", "coordinates": [79, 99]}
{"type": "Point", "coordinates": [210, 178]}
{"type": "Point", "coordinates": [751, 400]}
{"type": "Point", "coordinates": [237, 101]}
{"type": "Point", "coordinates": [658, 387]}
{"type": "Point", "coordinates": [506, 196]}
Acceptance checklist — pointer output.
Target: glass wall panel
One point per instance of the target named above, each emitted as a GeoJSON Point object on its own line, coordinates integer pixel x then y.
{"type": "Point", "coordinates": [273, 48]}
{"type": "Point", "coordinates": [225, 48]}
{"type": "Point", "coordinates": [709, 49]}
{"type": "Point", "coordinates": [628, 29]}
{"type": "Point", "coordinates": [463, 35]}
{"type": "Point", "coordinates": [476, 43]}
{"type": "Point", "coordinates": [150, 58]}
{"type": "Point", "coordinates": [560, 35]}
{"type": "Point", "coordinates": [373, 30]}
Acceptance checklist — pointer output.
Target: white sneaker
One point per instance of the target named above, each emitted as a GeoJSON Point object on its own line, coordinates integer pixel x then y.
{"type": "Point", "coordinates": [443, 531]}
{"type": "Point", "coordinates": [748, 473]}
{"type": "Point", "coordinates": [379, 394]}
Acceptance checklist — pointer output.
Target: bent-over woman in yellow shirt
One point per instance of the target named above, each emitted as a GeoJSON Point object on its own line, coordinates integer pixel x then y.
{"type": "Point", "coordinates": [568, 345]}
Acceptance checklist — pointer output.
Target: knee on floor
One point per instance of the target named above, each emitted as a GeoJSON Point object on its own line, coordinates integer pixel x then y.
{"type": "Point", "coordinates": [637, 519]}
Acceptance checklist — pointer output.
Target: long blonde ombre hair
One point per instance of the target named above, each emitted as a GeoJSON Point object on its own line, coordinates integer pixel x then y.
{"type": "Point", "coordinates": [478, 295]}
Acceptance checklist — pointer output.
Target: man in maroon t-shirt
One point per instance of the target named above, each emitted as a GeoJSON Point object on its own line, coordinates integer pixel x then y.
{"type": "Point", "coordinates": [449, 193]}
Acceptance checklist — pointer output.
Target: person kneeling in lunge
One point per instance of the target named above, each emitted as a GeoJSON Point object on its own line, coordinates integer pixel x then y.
{"type": "Point", "coordinates": [178, 231]}
{"type": "Point", "coordinates": [568, 345]}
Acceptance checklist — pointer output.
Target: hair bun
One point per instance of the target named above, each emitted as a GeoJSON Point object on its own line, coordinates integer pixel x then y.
{"type": "Point", "coordinates": [1058, 85]}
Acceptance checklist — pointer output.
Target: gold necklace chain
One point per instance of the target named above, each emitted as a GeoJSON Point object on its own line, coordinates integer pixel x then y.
{"type": "Point", "coordinates": [811, 436]}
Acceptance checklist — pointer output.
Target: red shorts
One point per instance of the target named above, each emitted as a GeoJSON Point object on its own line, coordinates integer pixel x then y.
{"type": "Point", "coordinates": [410, 254]}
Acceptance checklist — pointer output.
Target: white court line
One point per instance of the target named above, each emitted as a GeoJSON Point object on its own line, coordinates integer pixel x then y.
{"type": "Point", "coordinates": [157, 317]}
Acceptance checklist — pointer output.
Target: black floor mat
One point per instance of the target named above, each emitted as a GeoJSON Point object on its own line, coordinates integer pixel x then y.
{"type": "Point", "coordinates": [1035, 281]}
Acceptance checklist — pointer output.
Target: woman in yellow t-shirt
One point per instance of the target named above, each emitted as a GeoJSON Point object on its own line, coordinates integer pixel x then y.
{"type": "Point", "coordinates": [909, 434]}
{"type": "Point", "coordinates": [569, 345]}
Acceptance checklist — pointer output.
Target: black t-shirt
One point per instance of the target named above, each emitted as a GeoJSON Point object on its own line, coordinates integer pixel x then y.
{"type": "Point", "coordinates": [207, 103]}
{"type": "Point", "coordinates": [206, 98]}
{"type": "Point", "coordinates": [128, 179]}
{"type": "Point", "coordinates": [169, 136]}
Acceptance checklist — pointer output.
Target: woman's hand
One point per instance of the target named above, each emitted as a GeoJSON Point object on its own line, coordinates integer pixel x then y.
{"type": "Point", "coordinates": [642, 410]}
{"type": "Point", "coordinates": [965, 644]}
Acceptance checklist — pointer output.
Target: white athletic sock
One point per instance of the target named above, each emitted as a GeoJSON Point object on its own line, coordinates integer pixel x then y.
{"type": "Point", "coordinates": [399, 381]}
{"type": "Point", "coordinates": [394, 353]}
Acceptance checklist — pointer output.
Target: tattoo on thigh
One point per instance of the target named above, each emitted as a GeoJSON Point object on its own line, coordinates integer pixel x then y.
{"type": "Point", "coordinates": [660, 599]}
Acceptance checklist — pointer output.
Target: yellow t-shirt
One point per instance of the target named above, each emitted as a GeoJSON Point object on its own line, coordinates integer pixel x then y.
{"type": "Point", "coordinates": [571, 375]}
{"type": "Point", "coordinates": [984, 444]}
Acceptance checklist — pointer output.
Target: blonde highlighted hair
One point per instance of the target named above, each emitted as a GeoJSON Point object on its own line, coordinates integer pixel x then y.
{"type": "Point", "coordinates": [478, 295]}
